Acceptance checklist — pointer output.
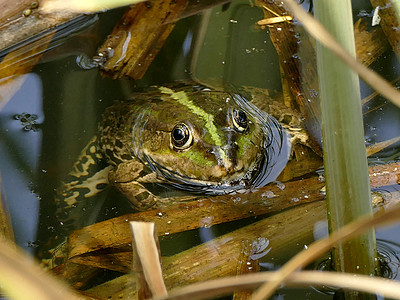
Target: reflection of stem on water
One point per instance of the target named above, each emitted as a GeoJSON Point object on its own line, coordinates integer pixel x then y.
{"type": "Point", "coordinates": [6, 230]}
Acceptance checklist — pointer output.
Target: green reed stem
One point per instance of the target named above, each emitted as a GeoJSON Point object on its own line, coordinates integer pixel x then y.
{"type": "Point", "coordinates": [345, 159]}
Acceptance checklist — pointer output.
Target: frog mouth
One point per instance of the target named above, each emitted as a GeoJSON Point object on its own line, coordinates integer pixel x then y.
{"type": "Point", "coordinates": [258, 174]}
{"type": "Point", "coordinates": [182, 182]}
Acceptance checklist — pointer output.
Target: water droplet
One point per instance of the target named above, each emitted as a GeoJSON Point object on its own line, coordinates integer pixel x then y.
{"type": "Point", "coordinates": [280, 185]}
{"type": "Point", "coordinates": [369, 140]}
{"type": "Point", "coordinates": [323, 191]}
{"type": "Point", "coordinates": [27, 127]}
{"type": "Point", "coordinates": [268, 194]}
{"type": "Point", "coordinates": [237, 200]}
{"type": "Point", "coordinates": [313, 93]}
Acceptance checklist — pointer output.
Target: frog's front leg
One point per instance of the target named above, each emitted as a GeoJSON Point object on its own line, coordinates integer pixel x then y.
{"type": "Point", "coordinates": [128, 178]}
{"type": "Point", "coordinates": [86, 179]}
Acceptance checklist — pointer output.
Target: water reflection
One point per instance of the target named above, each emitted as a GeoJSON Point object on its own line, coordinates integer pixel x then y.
{"type": "Point", "coordinates": [20, 152]}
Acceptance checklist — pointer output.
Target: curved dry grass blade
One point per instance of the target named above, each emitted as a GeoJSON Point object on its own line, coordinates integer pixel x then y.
{"type": "Point", "coordinates": [88, 6]}
{"type": "Point", "coordinates": [147, 259]}
{"type": "Point", "coordinates": [228, 285]}
{"type": "Point", "coordinates": [374, 94]}
{"type": "Point", "coordinates": [320, 247]}
{"type": "Point", "coordinates": [21, 279]}
{"type": "Point", "coordinates": [325, 38]}
{"type": "Point", "coordinates": [375, 148]}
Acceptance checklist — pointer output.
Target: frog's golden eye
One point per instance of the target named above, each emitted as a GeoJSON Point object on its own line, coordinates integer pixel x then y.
{"type": "Point", "coordinates": [239, 120]}
{"type": "Point", "coordinates": [181, 137]}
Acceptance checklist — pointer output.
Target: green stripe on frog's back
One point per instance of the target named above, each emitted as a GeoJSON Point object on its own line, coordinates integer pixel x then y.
{"type": "Point", "coordinates": [209, 124]}
{"type": "Point", "coordinates": [183, 99]}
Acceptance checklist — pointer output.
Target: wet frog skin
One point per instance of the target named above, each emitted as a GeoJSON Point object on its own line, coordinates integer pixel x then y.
{"type": "Point", "coordinates": [188, 137]}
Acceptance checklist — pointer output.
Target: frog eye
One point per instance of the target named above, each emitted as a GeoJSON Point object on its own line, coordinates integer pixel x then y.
{"type": "Point", "coordinates": [240, 121]}
{"type": "Point", "coordinates": [181, 137]}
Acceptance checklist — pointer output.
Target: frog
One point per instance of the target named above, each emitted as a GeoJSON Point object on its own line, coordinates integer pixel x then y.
{"type": "Point", "coordinates": [184, 136]}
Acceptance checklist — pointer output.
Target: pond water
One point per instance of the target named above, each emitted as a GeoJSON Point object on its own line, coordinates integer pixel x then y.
{"type": "Point", "coordinates": [54, 114]}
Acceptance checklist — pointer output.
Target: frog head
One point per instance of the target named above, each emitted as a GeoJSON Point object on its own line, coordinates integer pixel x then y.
{"type": "Point", "coordinates": [209, 141]}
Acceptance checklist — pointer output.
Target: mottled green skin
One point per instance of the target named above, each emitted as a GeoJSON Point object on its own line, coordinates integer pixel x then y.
{"type": "Point", "coordinates": [135, 141]}
{"type": "Point", "coordinates": [142, 127]}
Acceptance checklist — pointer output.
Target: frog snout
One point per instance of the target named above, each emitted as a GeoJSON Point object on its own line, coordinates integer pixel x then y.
{"type": "Point", "coordinates": [226, 159]}
{"type": "Point", "coordinates": [228, 165]}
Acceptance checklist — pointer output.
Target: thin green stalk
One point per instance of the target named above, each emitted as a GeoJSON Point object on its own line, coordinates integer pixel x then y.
{"type": "Point", "coordinates": [345, 160]}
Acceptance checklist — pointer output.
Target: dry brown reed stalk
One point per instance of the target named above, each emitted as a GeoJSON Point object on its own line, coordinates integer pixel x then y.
{"type": "Point", "coordinates": [87, 6]}
{"type": "Point", "coordinates": [325, 38]}
{"type": "Point", "coordinates": [147, 265]}
{"type": "Point", "coordinates": [21, 278]}
{"type": "Point", "coordinates": [318, 248]}
{"type": "Point", "coordinates": [228, 285]}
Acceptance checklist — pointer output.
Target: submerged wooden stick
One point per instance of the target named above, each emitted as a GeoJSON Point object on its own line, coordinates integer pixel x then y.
{"type": "Point", "coordinates": [22, 19]}
{"type": "Point", "coordinates": [389, 23]}
{"type": "Point", "coordinates": [286, 232]}
{"type": "Point", "coordinates": [248, 263]}
{"type": "Point", "coordinates": [138, 37]}
{"type": "Point", "coordinates": [91, 246]}
{"type": "Point", "coordinates": [195, 214]}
